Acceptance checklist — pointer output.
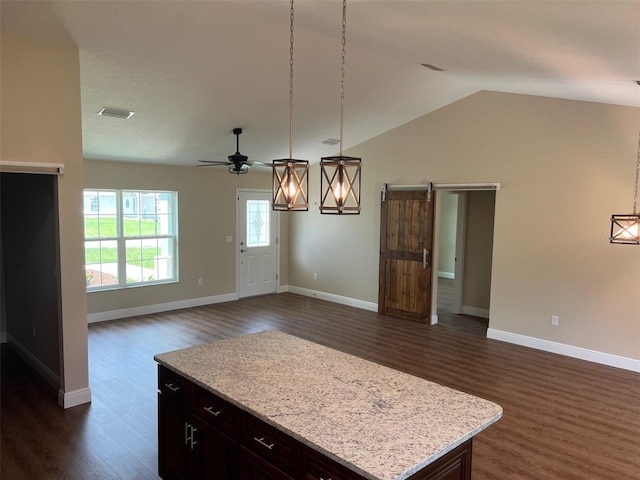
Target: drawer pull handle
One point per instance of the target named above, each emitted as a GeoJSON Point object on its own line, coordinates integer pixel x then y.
{"type": "Point", "coordinates": [322, 478]}
{"type": "Point", "coordinates": [263, 443]}
{"type": "Point", "coordinates": [172, 387]}
{"type": "Point", "coordinates": [192, 439]}
{"type": "Point", "coordinates": [212, 411]}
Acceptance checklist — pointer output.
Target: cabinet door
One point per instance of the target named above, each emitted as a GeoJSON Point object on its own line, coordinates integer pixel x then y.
{"type": "Point", "coordinates": [215, 456]}
{"type": "Point", "coordinates": [173, 454]}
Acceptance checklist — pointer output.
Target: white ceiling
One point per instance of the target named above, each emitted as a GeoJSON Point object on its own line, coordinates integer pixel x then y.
{"type": "Point", "coordinates": [193, 70]}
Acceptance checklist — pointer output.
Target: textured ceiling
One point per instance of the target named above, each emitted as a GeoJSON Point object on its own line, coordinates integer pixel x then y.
{"type": "Point", "coordinates": [193, 70]}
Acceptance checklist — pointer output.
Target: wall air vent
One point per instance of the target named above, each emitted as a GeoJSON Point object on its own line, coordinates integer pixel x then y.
{"type": "Point", "coordinates": [331, 141]}
{"type": "Point", "coordinates": [115, 112]}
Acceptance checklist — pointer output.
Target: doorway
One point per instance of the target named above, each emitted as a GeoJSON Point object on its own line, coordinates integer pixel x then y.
{"type": "Point", "coordinates": [464, 248]}
{"type": "Point", "coordinates": [31, 306]}
{"type": "Point", "coordinates": [258, 249]}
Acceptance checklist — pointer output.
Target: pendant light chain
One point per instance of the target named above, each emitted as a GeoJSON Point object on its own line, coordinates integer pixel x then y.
{"type": "Point", "coordinates": [290, 186]}
{"type": "Point", "coordinates": [635, 196]}
{"type": "Point", "coordinates": [344, 53]}
{"type": "Point", "coordinates": [291, 17]}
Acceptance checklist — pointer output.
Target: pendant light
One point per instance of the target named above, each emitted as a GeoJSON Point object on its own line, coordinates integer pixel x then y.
{"type": "Point", "coordinates": [340, 178]}
{"type": "Point", "coordinates": [625, 229]}
{"type": "Point", "coordinates": [290, 176]}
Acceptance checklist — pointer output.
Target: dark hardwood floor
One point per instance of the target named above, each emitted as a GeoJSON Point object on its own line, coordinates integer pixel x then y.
{"type": "Point", "coordinates": [563, 418]}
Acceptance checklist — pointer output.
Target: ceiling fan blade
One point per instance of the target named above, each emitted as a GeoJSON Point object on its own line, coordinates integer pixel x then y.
{"type": "Point", "coordinates": [215, 162]}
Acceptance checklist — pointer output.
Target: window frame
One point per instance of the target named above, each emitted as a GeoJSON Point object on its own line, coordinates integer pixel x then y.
{"type": "Point", "coordinates": [121, 238]}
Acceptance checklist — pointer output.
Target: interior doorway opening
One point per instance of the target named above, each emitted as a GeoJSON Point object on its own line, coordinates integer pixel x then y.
{"type": "Point", "coordinates": [463, 251]}
{"type": "Point", "coordinates": [30, 309]}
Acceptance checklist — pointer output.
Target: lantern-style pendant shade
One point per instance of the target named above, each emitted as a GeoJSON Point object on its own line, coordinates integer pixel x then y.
{"type": "Point", "coordinates": [290, 184]}
{"type": "Point", "coordinates": [625, 229]}
{"type": "Point", "coordinates": [340, 182]}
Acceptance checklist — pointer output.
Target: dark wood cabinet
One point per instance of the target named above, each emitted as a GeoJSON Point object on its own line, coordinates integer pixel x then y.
{"type": "Point", "coordinates": [173, 452]}
{"type": "Point", "coordinates": [194, 442]}
{"type": "Point", "coordinates": [202, 436]}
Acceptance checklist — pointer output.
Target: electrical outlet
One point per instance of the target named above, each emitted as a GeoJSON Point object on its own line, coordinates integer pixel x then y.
{"type": "Point", "coordinates": [555, 320]}
{"type": "Point", "coordinates": [315, 276]}
{"type": "Point", "coordinates": [199, 282]}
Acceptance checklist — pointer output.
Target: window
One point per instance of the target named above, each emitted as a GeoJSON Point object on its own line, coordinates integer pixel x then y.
{"type": "Point", "coordinates": [258, 223]}
{"type": "Point", "coordinates": [130, 238]}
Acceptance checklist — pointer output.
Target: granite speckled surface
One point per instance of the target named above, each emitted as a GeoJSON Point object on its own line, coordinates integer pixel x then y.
{"type": "Point", "coordinates": [381, 423]}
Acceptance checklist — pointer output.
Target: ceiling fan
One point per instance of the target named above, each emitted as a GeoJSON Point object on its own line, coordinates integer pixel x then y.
{"type": "Point", "coordinates": [237, 163]}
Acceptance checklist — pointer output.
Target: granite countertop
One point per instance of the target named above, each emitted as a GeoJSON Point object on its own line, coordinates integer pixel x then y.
{"type": "Point", "coordinates": [379, 422]}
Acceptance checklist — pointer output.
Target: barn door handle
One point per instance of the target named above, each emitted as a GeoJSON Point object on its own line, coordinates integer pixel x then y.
{"type": "Point", "coordinates": [425, 253]}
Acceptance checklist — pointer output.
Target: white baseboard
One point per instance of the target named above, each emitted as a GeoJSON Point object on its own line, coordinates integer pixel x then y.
{"type": "Point", "coordinates": [352, 302]}
{"type": "Point", "coordinates": [434, 319]}
{"type": "Point", "coordinates": [567, 350]}
{"type": "Point", "coordinates": [49, 375]}
{"type": "Point", "coordinates": [450, 275]}
{"type": "Point", "coordinates": [160, 307]}
{"type": "Point", "coordinates": [74, 398]}
{"type": "Point", "coordinates": [283, 289]}
{"type": "Point", "coordinates": [476, 312]}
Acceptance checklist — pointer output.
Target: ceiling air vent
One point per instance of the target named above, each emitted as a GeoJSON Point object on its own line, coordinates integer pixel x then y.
{"type": "Point", "coordinates": [115, 112]}
{"type": "Point", "coordinates": [331, 141]}
{"type": "Point", "coordinates": [433, 67]}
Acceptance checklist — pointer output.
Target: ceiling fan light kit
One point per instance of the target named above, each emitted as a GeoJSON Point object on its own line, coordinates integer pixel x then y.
{"type": "Point", "coordinates": [290, 176]}
{"type": "Point", "coordinates": [340, 178]}
{"type": "Point", "coordinates": [625, 228]}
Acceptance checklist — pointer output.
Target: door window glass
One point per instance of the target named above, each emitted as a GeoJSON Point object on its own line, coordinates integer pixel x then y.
{"type": "Point", "coordinates": [258, 223]}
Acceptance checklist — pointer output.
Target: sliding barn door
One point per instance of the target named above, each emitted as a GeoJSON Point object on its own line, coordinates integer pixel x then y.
{"type": "Point", "coordinates": [406, 243]}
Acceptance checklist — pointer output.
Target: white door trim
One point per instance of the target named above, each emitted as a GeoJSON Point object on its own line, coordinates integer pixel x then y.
{"type": "Point", "coordinates": [461, 237]}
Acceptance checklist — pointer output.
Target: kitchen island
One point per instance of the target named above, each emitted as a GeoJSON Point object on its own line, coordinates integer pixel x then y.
{"type": "Point", "coordinates": [273, 406]}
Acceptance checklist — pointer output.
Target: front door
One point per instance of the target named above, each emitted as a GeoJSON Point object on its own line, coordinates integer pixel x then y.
{"type": "Point", "coordinates": [257, 243]}
{"type": "Point", "coordinates": [406, 240]}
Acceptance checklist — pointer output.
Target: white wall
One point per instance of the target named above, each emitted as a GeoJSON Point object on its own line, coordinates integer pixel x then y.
{"type": "Point", "coordinates": [564, 168]}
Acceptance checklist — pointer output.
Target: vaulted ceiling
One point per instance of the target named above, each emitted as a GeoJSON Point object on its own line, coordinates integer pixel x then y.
{"type": "Point", "coordinates": [194, 70]}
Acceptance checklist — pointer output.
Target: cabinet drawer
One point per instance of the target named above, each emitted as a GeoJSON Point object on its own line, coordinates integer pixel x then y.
{"type": "Point", "coordinates": [271, 444]}
{"type": "Point", "coordinates": [217, 412]}
{"type": "Point", "coordinates": [175, 386]}
{"type": "Point", "coordinates": [253, 467]}
{"type": "Point", "coordinates": [315, 466]}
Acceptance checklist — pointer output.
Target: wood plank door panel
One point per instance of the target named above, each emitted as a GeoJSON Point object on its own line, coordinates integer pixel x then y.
{"type": "Point", "coordinates": [406, 240]}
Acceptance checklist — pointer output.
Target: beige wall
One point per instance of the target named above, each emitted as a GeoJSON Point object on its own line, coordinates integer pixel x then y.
{"type": "Point", "coordinates": [478, 248]}
{"type": "Point", "coordinates": [41, 122]}
{"type": "Point", "coordinates": [206, 215]}
{"type": "Point", "coordinates": [564, 167]}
